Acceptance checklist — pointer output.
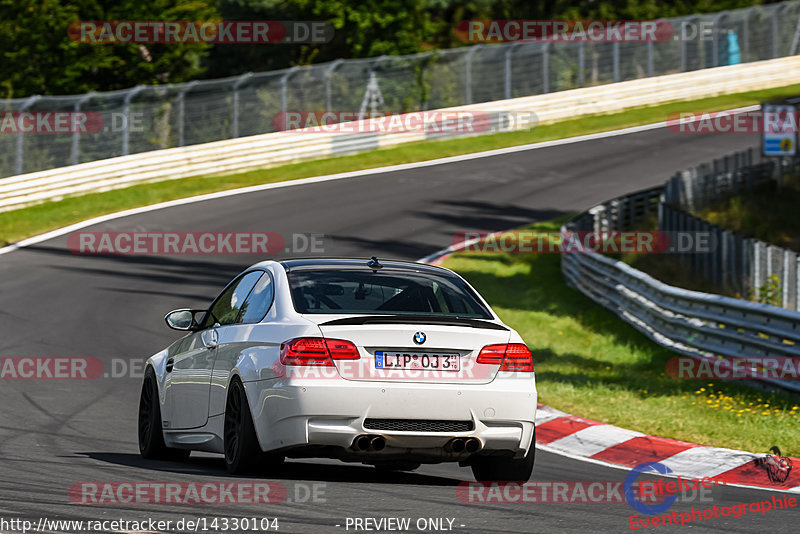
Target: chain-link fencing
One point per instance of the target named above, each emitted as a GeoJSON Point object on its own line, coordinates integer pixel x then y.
{"type": "Point", "coordinates": [148, 118]}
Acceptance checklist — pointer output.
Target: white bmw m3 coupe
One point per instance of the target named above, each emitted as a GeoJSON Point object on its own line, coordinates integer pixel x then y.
{"type": "Point", "coordinates": [387, 363]}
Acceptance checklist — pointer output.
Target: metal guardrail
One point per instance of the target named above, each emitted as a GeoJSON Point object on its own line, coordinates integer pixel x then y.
{"type": "Point", "coordinates": [695, 324]}
{"type": "Point", "coordinates": [699, 325]}
{"type": "Point", "coordinates": [146, 118]}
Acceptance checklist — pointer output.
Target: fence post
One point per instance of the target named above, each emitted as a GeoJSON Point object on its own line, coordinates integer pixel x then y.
{"type": "Point", "coordinates": [468, 73]}
{"type": "Point", "coordinates": [775, 30]}
{"type": "Point", "coordinates": [715, 38]}
{"type": "Point", "coordinates": [682, 41]}
{"type": "Point", "coordinates": [126, 112]}
{"type": "Point", "coordinates": [283, 81]}
{"type": "Point", "coordinates": [509, 51]}
{"type": "Point", "coordinates": [795, 39]}
{"type": "Point", "coordinates": [722, 255]}
{"type": "Point", "coordinates": [25, 105]}
{"type": "Point", "coordinates": [546, 67]}
{"type": "Point", "coordinates": [650, 58]}
{"type": "Point", "coordinates": [328, 73]}
{"type": "Point", "coordinates": [238, 83]}
{"type": "Point", "coordinates": [707, 255]}
{"type": "Point", "coordinates": [748, 274]}
{"type": "Point", "coordinates": [75, 135]}
{"type": "Point", "coordinates": [695, 257]}
{"type": "Point", "coordinates": [182, 111]}
{"type": "Point", "coordinates": [581, 63]}
{"type": "Point", "coordinates": [615, 51]}
{"type": "Point", "coordinates": [785, 279]}
{"type": "Point", "coordinates": [745, 51]}
{"type": "Point", "coordinates": [797, 285]}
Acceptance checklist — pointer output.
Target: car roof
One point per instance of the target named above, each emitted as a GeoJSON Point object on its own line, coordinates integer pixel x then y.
{"type": "Point", "coordinates": [360, 263]}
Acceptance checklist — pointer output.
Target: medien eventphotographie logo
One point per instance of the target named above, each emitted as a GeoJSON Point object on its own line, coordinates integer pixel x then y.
{"type": "Point", "coordinates": [679, 490]}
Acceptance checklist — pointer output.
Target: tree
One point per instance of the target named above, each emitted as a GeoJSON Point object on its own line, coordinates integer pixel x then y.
{"type": "Point", "coordinates": [38, 56]}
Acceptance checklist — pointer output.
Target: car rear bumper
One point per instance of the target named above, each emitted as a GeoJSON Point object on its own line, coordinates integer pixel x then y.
{"type": "Point", "coordinates": [331, 415]}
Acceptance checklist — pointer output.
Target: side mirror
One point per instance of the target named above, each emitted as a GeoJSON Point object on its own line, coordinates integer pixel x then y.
{"type": "Point", "coordinates": [181, 319]}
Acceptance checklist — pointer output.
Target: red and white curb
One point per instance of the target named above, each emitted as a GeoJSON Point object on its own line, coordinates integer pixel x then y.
{"type": "Point", "coordinates": [582, 438]}
{"type": "Point", "coordinates": [596, 442]}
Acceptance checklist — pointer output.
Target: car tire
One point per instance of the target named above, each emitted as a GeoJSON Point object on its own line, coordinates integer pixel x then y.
{"type": "Point", "coordinates": [490, 469]}
{"type": "Point", "coordinates": [242, 451]}
{"type": "Point", "coordinates": [151, 437]}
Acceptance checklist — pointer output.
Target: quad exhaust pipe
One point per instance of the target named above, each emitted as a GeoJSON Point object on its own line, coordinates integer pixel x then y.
{"type": "Point", "coordinates": [459, 445]}
{"type": "Point", "coordinates": [365, 442]}
{"type": "Point", "coordinates": [472, 445]}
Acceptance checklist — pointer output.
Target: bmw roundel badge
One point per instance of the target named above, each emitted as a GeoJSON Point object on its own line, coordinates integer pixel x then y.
{"type": "Point", "coordinates": [419, 338]}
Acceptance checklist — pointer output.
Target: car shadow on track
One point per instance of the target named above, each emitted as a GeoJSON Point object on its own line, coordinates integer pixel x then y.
{"type": "Point", "coordinates": [208, 466]}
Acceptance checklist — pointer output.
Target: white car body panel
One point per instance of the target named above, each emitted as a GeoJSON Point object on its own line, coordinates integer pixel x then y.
{"type": "Point", "coordinates": [322, 414]}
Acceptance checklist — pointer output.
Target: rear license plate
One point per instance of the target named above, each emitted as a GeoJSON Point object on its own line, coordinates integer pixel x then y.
{"type": "Point", "coordinates": [438, 361]}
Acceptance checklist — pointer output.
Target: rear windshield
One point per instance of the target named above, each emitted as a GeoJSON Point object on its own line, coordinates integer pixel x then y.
{"type": "Point", "coordinates": [383, 292]}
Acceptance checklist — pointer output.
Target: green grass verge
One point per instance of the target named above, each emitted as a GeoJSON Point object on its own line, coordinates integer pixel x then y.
{"type": "Point", "coordinates": [22, 223]}
{"type": "Point", "coordinates": [591, 363]}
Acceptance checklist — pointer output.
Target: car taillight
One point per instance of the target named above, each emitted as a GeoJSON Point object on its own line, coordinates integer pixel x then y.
{"type": "Point", "coordinates": [317, 351]}
{"type": "Point", "coordinates": [510, 356]}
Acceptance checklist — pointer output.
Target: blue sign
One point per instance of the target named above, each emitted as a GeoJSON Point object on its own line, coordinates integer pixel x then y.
{"type": "Point", "coordinates": [630, 483]}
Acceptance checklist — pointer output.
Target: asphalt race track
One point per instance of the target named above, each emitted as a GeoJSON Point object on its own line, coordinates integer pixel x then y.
{"type": "Point", "coordinates": [56, 433]}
